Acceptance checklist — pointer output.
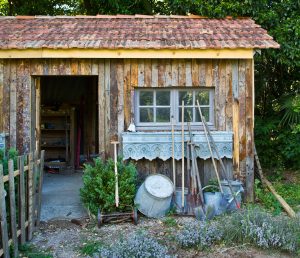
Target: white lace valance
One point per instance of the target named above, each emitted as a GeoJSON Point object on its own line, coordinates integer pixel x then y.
{"type": "Point", "coordinates": [152, 145]}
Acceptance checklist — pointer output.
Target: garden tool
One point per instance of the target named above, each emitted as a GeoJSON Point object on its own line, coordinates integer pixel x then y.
{"type": "Point", "coordinates": [116, 173]}
{"type": "Point", "coordinates": [199, 210]}
{"type": "Point", "coordinates": [209, 147]}
{"type": "Point", "coordinates": [173, 153]}
{"type": "Point", "coordinates": [218, 155]}
{"type": "Point", "coordinates": [182, 153]}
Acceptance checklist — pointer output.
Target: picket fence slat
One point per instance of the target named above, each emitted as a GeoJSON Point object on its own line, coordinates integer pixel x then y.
{"type": "Point", "coordinates": [4, 231]}
{"type": "Point", "coordinates": [22, 184]}
{"type": "Point", "coordinates": [22, 209]}
{"type": "Point", "coordinates": [12, 200]}
{"type": "Point", "coordinates": [30, 195]}
{"type": "Point", "coordinates": [39, 196]}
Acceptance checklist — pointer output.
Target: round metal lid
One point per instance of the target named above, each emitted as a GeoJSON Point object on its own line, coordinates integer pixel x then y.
{"type": "Point", "coordinates": [159, 186]}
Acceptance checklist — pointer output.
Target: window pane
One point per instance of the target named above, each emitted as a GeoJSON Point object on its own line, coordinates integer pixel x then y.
{"type": "Point", "coordinates": [187, 97]}
{"type": "Point", "coordinates": [188, 114]}
{"type": "Point", "coordinates": [205, 113]}
{"type": "Point", "coordinates": [202, 97]}
{"type": "Point", "coordinates": [146, 115]}
{"type": "Point", "coordinates": [162, 98]}
{"type": "Point", "coordinates": [162, 115]}
{"type": "Point", "coordinates": [146, 98]}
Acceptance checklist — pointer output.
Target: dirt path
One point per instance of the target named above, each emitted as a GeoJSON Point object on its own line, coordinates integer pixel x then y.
{"type": "Point", "coordinates": [64, 239]}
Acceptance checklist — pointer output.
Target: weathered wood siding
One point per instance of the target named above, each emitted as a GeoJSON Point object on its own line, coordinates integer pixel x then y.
{"type": "Point", "coordinates": [117, 78]}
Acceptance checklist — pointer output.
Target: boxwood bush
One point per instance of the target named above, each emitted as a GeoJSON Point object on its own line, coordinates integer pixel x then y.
{"type": "Point", "coordinates": [98, 189]}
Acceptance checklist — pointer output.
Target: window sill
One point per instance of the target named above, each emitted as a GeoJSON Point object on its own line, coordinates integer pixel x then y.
{"type": "Point", "coordinates": [152, 145]}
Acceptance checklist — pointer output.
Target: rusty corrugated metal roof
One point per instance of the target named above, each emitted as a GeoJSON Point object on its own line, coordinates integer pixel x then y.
{"type": "Point", "coordinates": [131, 32]}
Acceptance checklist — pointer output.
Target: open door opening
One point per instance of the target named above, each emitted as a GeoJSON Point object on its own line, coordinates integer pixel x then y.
{"type": "Point", "coordinates": [68, 121]}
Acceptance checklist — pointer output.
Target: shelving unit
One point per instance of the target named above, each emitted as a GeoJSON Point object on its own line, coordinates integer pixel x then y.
{"type": "Point", "coordinates": [57, 137]}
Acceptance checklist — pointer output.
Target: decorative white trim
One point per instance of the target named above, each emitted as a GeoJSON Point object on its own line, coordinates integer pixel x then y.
{"type": "Point", "coordinates": [152, 145]}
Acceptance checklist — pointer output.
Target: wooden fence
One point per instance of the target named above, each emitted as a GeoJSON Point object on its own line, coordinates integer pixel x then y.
{"type": "Point", "coordinates": [20, 201]}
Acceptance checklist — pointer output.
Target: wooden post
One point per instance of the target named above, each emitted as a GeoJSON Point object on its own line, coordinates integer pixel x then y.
{"type": "Point", "coordinates": [116, 173]}
{"type": "Point", "coordinates": [12, 202]}
{"type": "Point", "coordinates": [22, 208]}
{"type": "Point", "coordinates": [39, 197]}
{"type": "Point", "coordinates": [30, 195]}
{"type": "Point", "coordinates": [4, 231]}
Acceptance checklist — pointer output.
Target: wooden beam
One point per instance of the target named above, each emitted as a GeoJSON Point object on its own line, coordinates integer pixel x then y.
{"type": "Point", "coordinates": [128, 53]}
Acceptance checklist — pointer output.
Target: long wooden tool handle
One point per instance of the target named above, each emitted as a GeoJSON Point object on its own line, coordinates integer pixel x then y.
{"type": "Point", "coordinates": [173, 154]}
{"type": "Point", "coordinates": [182, 153]}
{"type": "Point", "coordinates": [221, 162]}
{"type": "Point", "coordinates": [116, 174]}
{"type": "Point", "coordinates": [265, 181]}
{"type": "Point", "coordinates": [209, 147]}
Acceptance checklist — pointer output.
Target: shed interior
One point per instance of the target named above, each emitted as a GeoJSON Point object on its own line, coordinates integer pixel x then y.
{"type": "Point", "coordinates": [68, 120]}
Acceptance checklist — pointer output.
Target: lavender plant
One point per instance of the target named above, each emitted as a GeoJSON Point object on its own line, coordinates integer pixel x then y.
{"type": "Point", "coordinates": [265, 230]}
{"type": "Point", "coordinates": [137, 245]}
{"type": "Point", "coordinates": [200, 234]}
{"type": "Point", "coordinates": [246, 226]}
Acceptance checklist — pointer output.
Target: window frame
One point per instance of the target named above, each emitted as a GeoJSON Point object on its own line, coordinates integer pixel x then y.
{"type": "Point", "coordinates": [174, 108]}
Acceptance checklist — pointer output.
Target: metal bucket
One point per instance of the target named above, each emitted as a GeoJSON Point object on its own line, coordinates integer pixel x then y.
{"type": "Point", "coordinates": [178, 198]}
{"type": "Point", "coordinates": [237, 188]}
{"type": "Point", "coordinates": [153, 198]}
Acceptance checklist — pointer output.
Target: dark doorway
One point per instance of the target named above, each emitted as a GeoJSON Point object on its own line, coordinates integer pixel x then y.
{"type": "Point", "coordinates": [68, 120]}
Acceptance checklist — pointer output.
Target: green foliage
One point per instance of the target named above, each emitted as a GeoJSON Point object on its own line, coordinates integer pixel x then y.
{"type": "Point", "coordinates": [278, 147]}
{"type": "Point", "coordinates": [170, 222]}
{"type": "Point", "coordinates": [266, 199]}
{"type": "Point", "coordinates": [98, 189]}
{"type": "Point", "coordinates": [12, 153]}
{"type": "Point", "coordinates": [41, 7]}
{"type": "Point", "coordinates": [212, 186]}
{"type": "Point", "coordinates": [90, 247]}
{"type": "Point", "coordinates": [289, 191]}
{"type": "Point", "coordinates": [32, 252]}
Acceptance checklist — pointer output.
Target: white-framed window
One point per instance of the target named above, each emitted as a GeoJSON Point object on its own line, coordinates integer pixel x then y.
{"type": "Point", "coordinates": [155, 107]}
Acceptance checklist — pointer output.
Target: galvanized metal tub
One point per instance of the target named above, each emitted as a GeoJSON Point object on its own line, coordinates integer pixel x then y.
{"type": "Point", "coordinates": [154, 196]}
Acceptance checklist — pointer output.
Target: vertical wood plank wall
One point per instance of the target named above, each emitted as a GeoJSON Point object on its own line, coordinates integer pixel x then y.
{"type": "Point", "coordinates": [117, 78]}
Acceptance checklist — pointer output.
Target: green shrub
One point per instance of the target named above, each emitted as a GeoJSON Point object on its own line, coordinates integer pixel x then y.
{"type": "Point", "coordinates": [98, 189]}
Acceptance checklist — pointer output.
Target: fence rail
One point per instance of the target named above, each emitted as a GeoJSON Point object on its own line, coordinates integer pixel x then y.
{"type": "Point", "coordinates": [20, 201]}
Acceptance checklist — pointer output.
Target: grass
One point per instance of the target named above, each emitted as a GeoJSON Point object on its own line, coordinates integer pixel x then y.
{"type": "Point", "coordinates": [170, 222]}
{"type": "Point", "coordinates": [31, 251]}
{"type": "Point", "coordinates": [89, 247]}
{"type": "Point", "coordinates": [287, 184]}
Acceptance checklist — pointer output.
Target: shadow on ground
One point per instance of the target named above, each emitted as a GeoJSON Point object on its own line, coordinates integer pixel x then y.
{"type": "Point", "coordinates": [60, 196]}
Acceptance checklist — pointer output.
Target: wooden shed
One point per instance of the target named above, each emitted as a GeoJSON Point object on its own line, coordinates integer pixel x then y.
{"type": "Point", "coordinates": [71, 85]}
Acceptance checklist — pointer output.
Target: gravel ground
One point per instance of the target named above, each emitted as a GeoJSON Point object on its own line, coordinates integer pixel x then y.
{"type": "Point", "coordinates": [65, 239]}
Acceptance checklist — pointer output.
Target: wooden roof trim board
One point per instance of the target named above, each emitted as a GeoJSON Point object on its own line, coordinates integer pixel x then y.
{"type": "Point", "coordinates": [128, 53]}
